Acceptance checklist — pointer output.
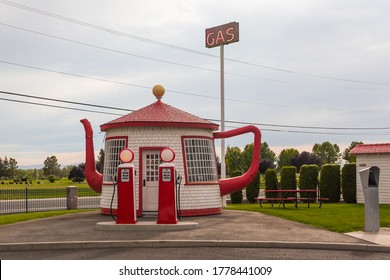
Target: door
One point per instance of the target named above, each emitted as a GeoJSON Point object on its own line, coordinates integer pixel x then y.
{"type": "Point", "coordinates": [150, 162]}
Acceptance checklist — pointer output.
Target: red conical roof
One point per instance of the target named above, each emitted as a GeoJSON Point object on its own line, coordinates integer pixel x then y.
{"type": "Point", "coordinates": [159, 114]}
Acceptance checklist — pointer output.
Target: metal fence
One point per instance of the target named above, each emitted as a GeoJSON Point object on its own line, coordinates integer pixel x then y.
{"type": "Point", "coordinates": [24, 200]}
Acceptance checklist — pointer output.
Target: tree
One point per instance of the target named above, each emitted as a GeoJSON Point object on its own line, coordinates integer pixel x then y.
{"type": "Point", "coordinates": [5, 167]}
{"type": "Point", "coordinates": [65, 171]}
{"type": "Point", "coordinates": [100, 161]}
{"type": "Point", "coordinates": [2, 172]}
{"type": "Point", "coordinates": [266, 152]}
{"type": "Point", "coordinates": [246, 156]}
{"type": "Point", "coordinates": [77, 173]}
{"type": "Point", "coordinates": [233, 160]}
{"type": "Point", "coordinates": [264, 165]}
{"type": "Point", "coordinates": [51, 166]}
{"type": "Point", "coordinates": [285, 157]}
{"type": "Point", "coordinates": [13, 167]}
{"type": "Point", "coordinates": [328, 153]}
{"type": "Point", "coordinates": [305, 158]}
{"type": "Point", "coordinates": [347, 156]}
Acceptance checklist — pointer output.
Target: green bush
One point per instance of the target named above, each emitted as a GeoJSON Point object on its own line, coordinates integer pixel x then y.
{"type": "Point", "coordinates": [348, 182]}
{"type": "Point", "coordinates": [236, 197]}
{"type": "Point", "coordinates": [271, 182]}
{"type": "Point", "coordinates": [330, 182]}
{"type": "Point", "coordinates": [308, 179]}
{"type": "Point", "coordinates": [51, 178]}
{"type": "Point", "coordinates": [252, 190]}
{"type": "Point", "coordinates": [288, 179]}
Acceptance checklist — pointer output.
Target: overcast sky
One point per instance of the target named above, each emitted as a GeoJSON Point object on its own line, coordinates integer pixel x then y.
{"type": "Point", "coordinates": [303, 63]}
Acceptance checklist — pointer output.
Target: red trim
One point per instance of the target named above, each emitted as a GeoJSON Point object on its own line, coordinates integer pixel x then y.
{"type": "Point", "coordinates": [201, 212]}
{"type": "Point", "coordinates": [185, 160]}
{"type": "Point", "coordinates": [104, 127]}
{"type": "Point", "coordinates": [140, 177]}
{"type": "Point", "coordinates": [184, 213]}
{"type": "Point", "coordinates": [201, 184]}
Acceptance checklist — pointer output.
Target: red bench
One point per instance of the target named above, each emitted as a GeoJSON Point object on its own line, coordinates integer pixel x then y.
{"type": "Point", "coordinates": [281, 200]}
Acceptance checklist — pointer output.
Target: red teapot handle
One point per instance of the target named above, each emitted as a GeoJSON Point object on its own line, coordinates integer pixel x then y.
{"type": "Point", "coordinates": [230, 185]}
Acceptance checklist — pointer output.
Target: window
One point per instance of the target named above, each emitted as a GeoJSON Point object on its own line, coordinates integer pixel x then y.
{"type": "Point", "coordinates": [200, 160]}
{"type": "Point", "coordinates": [111, 158]}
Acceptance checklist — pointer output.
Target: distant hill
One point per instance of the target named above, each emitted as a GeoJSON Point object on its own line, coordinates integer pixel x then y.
{"type": "Point", "coordinates": [34, 166]}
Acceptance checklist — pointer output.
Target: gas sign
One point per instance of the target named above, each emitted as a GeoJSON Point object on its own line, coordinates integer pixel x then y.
{"type": "Point", "coordinates": [222, 35]}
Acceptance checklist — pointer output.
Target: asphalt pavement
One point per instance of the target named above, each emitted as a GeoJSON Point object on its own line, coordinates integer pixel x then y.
{"type": "Point", "coordinates": [231, 229]}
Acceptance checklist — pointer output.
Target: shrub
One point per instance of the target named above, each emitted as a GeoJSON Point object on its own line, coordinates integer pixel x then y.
{"type": "Point", "coordinates": [271, 182]}
{"type": "Point", "coordinates": [330, 182]}
{"type": "Point", "coordinates": [236, 197]}
{"type": "Point", "coordinates": [308, 179]}
{"type": "Point", "coordinates": [288, 179]}
{"type": "Point", "coordinates": [252, 190]}
{"type": "Point", "coordinates": [348, 182]}
{"type": "Point", "coordinates": [51, 178]}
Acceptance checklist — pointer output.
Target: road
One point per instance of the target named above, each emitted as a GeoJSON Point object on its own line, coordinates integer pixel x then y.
{"type": "Point", "coordinates": [194, 254]}
{"type": "Point", "coordinates": [45, 204]}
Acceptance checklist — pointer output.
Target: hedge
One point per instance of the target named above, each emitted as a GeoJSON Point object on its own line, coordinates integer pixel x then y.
{"type": "Point", "coordinates": [236, 197]}
{"type": "Point", "coordinates": [288, 179]}
{"type": "Point", "coordinates": [271, 182]}
{"type": "Point", "coordinates": [330, 182]}
{"type": "Point", "coordinates": [252, 190]}
{"type": "Point", "coordinates": [348, 182]}
{"type": "Point", "coordinates": [308, 179]}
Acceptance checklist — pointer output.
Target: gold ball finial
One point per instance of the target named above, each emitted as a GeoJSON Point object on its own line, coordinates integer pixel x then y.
{"type": "Point", "coordinates": [158, 91]}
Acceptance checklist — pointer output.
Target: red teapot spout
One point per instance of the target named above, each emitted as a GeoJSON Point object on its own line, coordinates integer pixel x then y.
{"type": "Point", "coordinates": [94, 178]}
{"type": "Point", "coordinates": [231, 185]}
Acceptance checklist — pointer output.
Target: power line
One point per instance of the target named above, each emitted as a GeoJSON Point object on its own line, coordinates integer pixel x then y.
{"type": "Point", "coordinates": [56, 106]}
{"type": "Point", "coordinates": [168, 90]}
{"type": "Point", "coordinates": [150, 41]}
{"type": "Point", "coordinates": [308, 127]}
{"type": "Point", "coordinates": [64, 101]}
{"type": "Point", "coordinates": [182, 64]}
{"type": "Point", "coordinates": [217, 120]}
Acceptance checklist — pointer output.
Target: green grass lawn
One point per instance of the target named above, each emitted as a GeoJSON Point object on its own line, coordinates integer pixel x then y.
{"type": "Point", "coordinates": [16, 218]}
{"type": "Point", "coordinates": [338, 217]}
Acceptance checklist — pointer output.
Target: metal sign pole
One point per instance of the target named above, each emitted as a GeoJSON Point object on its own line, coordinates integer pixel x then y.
{"type": "Point", "coordinates": [223, 164]}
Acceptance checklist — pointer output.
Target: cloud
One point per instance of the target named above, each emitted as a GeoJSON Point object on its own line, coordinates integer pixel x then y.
{"type": "Point", "coordinates": [306, 43]}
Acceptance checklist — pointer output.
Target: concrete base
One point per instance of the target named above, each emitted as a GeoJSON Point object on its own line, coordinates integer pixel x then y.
{"type": "Point", "coordinates": [112, 226]}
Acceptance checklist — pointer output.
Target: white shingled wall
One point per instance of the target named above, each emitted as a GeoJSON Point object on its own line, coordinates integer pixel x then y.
{"type": "Point", "coordinates": [192, 197]}
{"type": "Point", "coordinates": [383, 162]}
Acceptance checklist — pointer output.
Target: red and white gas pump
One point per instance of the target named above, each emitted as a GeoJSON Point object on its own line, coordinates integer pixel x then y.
{"type": "Point", "coordinates": [126, 209]}
{"type": "Point", "coordinates": [166, 188]}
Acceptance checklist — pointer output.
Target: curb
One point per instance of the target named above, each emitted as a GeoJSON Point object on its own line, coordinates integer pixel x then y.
{"type": "Point", "coordinates": [34, 246]}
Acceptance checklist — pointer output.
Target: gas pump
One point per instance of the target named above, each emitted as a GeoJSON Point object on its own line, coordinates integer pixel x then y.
{"type": "Point", "coordinates": [167, 213]}
{"type": "Point", "coordinates": [126, 210]}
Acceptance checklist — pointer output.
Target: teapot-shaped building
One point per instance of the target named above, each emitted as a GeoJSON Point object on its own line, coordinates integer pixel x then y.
{"type": "Point", "coordinates": [147, 131]}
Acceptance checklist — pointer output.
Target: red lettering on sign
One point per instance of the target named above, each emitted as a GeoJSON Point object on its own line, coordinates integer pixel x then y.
{"type": "Point", "coordinates": [228, 32]}
{"type": "Point", "coordinates": [221, 35]}
{"type": "Point", "coordinates": [210, 39]}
